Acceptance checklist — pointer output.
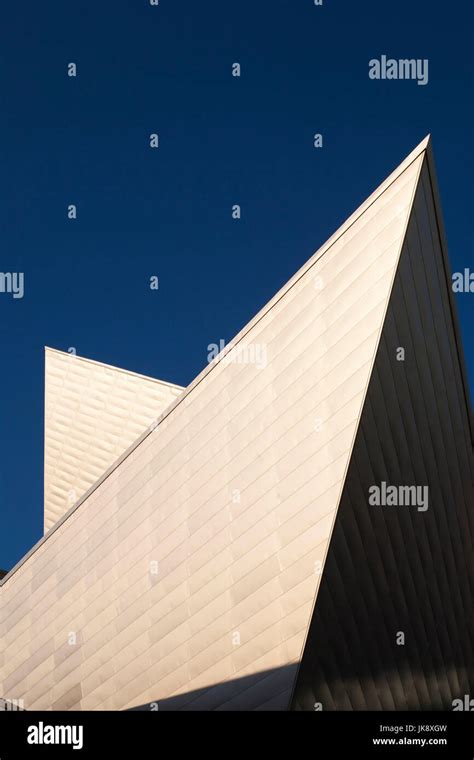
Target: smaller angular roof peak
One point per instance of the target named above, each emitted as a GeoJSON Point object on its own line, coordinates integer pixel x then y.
{"type": "Point", "coordinates": [93, 413]}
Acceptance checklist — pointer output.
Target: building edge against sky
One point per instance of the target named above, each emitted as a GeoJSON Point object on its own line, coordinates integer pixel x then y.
{"type": "Point", "coordinates": [188, 572]}
{"type": "Point", "coordinates": [93, 413]}
{"type": "Point", "coordinates": [398, 586]}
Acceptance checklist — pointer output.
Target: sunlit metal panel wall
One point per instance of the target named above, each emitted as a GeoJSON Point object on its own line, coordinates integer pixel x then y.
{"type": "Point", "coordinates": [188, 575]}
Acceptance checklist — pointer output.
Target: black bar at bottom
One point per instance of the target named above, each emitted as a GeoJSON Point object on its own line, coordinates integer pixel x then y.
{"type": "Point", "coordinates": [320, 734]}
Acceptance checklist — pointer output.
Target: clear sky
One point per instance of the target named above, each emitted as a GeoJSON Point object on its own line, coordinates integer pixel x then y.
{"type": "Point", "coordinates": [223, 140]}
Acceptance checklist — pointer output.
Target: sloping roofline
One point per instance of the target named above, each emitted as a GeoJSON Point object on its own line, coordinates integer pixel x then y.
{"type": "Point", "coordinates": [78, 358]}
{"type": "Point", "coordinates": [424, 146]}
{"type": "Point", "coordinates": [448, 275]}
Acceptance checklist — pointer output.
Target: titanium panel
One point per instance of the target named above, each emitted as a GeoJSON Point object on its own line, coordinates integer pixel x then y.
{"type": "Point", "coordinates": [187, 576]}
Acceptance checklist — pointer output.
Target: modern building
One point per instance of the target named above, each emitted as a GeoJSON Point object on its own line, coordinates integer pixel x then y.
{"type": "Point", "coordinates": [294, 530]}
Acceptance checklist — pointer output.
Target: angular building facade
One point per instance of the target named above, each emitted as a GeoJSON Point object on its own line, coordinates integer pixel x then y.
{"type": "Point", "coordinates": [230, 555]}
{"type": "Point", "coordinates": [93, 413]}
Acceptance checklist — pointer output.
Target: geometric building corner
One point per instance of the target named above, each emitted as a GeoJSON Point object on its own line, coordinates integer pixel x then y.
{"type": "Point", "coordinates": [230, 559]}
{"type": "Point", "coordinates": [393, 627]}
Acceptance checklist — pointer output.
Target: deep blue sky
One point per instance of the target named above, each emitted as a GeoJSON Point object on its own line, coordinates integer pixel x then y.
{"type": "Point", "coordinates": [223, 140]}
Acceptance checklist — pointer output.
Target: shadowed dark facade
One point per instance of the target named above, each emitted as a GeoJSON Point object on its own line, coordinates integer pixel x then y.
{"type": "Point", "coordinates": [393, 569]}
